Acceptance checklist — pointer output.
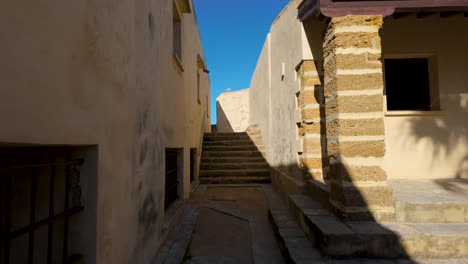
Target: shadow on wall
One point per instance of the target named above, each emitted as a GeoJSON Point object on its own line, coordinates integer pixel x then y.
{"type": "Point", "coordinates": [222, 122]}
{"type": "Point", "coordinates": [373, 241]}
{"type": "Point", "coordinates": [447, 134]}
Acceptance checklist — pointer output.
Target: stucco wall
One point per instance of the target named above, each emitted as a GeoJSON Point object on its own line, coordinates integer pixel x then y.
{"type": "Point", "coordinates": [232, 111]}
{"type": "Point", "coordinates": [102, 73]}
{"type": "Point", "coordinates": [430, 146]}
{"type": "Point", "coordinates": [273, 97]}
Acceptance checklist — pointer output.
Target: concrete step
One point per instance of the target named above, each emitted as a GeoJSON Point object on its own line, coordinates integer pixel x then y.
{"type": "Point", "coordinates": [431, 201]}
{"type": "Point", "coordinates": [235, 172]}
{"type": "Point", "coordinates": [293, 242]}
{"type": "Point", "coordinates": [238, 165]}
{"type": "Point", "coordinates": [210, 153]}
{"type": "Point", "coordinates": [336, 238]}
{"type": "Point", "coordinates": [232, 159]}
{"type": "Point", "coordinates": [234, 180]}
{"type": "Point", "coordinates": [233, 148]}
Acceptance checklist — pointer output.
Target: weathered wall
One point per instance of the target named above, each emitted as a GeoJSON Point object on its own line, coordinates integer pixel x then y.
{"type": "Point", "coordinates": [427, 146]}
{"type": "Point", "coordinates": [102, 73]}
{"type": "Point", "coordinates": [273, 100]}
{"type": "Point", "coordinates": [232, 111]}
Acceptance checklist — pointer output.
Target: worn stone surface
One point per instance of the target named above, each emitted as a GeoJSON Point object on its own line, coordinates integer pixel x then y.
{"type": "Point", "coordinates": [355, 104]}
{"type": "Point", "coordinates": [431, 201]}
{"type": "Point", "coordinates": [354, 61]}
{"type": "Point", "coordinates": [173, 249]}
{"type": "Point", "coordinates": [362, 196]}
{"type": "Point", "coordinates": [374, 148]}
{"type": "Point", "coordinates": [355, 127]}
{"type": "Point", "coordinates": [368, 81]}
{"type": "Point", "coordinates": [358, 173]}
{"type": "Point", "coordinates": [235, 225]}
{"type": "Point", "coordinates": [314, 96]}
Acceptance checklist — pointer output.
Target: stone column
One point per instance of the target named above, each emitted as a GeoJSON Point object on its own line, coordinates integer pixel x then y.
{"type": "Point", "coordinates": [310, 120]}
{"type": "Point", "coordinates": [354, 119]}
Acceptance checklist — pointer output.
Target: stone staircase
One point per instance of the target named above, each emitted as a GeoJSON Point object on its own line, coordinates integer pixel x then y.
{"type": "Point", "coordinates": [230, 158]}
{"type": "Point", "coordinates": [431, 227]}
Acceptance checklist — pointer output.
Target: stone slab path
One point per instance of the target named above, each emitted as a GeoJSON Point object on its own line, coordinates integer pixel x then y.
{"type": "Point", "coordinates": [233, 225]}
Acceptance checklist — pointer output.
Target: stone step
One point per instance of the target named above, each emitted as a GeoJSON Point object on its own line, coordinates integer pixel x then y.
{"type": "Point", "coordinates": [430, 201]}
{"type": "Point", "coordinates": [232, 159]}
{"type": "Point", "coordinates": [293, 242]}
{"type": "Point", "coordinates": [222, 137]}
{"type": "Point", "coordinates": [239, 165]}
{"type": "Point", "coordinates": [231, 154]}
{"type": "Point", "coordinates": [235, 172]}
{"type": "Point", "coordinates": [336, 238]}
{"type": "Point", "coordinates": [234, 180]}
{"type": "Point", "coordinates": [233, 148]}
{"type": "Point", "coordinates": [216, 134]}
{"type": "Point", "coordinates": [228, 142]}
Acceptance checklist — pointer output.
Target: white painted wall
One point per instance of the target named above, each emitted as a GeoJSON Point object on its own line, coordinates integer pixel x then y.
{"type": "Point", "coordinates": [232, 111]}
{"type": "Point", "coordinates": [428, 146]}
{"type": "Point", "coordinates": [272, 98]}
{"type": "Point", "coordinates": [95, 73]}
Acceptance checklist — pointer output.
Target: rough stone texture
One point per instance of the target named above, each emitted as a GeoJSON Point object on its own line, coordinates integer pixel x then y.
{"type": "Point", "coordinates": [362, 196]}
{"type": "Point", "coordinates": [312, 146]}
{"type": "Point", "coordinates": [353, 61]}
{"type": "Point", "coordinates": [352, 40]}
{"type": "Point", "coordinates": [307, 114]}
{"type": "Point", "coordinates": [374, 148]}
{"type": "Point", "coordinates": [354, 82]}
{"type": "Point", "coordinates": [355, 20]}
{"type": "Point", "coordinates": [310, 81]}
{"type": "Point", "coordinates": [309, 128]}
{"type": "Point", "coordinates": [311, 163]}
{"type": "Point", "coordinates": [358, 173]}
{"type": "Point", "coordinates": [310, 97]}
{"type": "Point", "coordinates": [355, 127]}
{"type": "Point", "coordinates": [355, 104]}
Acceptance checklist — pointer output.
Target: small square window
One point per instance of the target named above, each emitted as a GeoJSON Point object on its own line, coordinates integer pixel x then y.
{"type": "Point", "coordinates": [407, 84]}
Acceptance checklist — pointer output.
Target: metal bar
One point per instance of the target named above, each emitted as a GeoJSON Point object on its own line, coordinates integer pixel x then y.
{"type": "Point", "coordinates": [27, 229]}
{"type": "Point", "coordinates": [73, 162]}
{"type": "Point", "coordinates": [32, 212]}
{"type": "Point", "coordinates": [6, 255]}
{"type": "Point", "coordinates": [50, 234]}
{"type": "Point", "coordinates": [65, 221]}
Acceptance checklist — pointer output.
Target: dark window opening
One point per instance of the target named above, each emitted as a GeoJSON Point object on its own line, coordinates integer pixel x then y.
{"type": "Point", "coordinates": [193, 163]}
{"type": "Point", "coordinates": [407, 84]}
{"type": "Point", "coordinates": [40, 196]}
{"type": "Point", "coordinates": [172, 181]}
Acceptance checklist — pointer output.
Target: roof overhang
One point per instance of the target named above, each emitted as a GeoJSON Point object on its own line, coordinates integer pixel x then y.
{"type": "Point", "coordinates": [325, 9]}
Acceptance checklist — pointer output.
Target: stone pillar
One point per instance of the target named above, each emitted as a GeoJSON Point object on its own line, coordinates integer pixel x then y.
{"type": "Point", "coordinates": [310, 119]}
{"type": "Point", "coordinates": [354, 119]}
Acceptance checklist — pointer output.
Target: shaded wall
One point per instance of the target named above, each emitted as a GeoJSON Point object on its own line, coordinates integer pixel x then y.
{"type": "Point", "coordinates": [232, 111]}
{"type": "Point", "coordinates": [428, 146]}
{"type": "Point", "coordinates": [273, 100]}
{"type": "Point", "coordinates": [102, 73]}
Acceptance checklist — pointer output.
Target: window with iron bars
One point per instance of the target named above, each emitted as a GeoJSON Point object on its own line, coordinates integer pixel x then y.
{"type": "Point", "coordinates": [40, 194]}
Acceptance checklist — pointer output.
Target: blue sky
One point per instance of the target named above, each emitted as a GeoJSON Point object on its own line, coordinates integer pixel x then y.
{"type": "Point", "coordinates": [233, 33]}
